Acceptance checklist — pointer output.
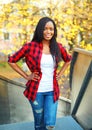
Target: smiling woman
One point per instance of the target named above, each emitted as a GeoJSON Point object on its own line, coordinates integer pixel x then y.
{"type": "Point", "coordinates": [42, 55]}
{"type": "Point", "coordinates": [5, 1]}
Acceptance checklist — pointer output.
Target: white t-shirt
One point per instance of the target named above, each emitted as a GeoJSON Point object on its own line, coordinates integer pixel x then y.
{"type": "Point", "coordinates": [47, 69]}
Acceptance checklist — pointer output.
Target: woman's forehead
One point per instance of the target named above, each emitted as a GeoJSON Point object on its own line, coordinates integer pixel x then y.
{"type": "Point", "coordinates": [50, 23]}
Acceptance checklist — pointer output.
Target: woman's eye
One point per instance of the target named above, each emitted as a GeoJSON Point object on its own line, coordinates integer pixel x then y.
{"type": "Point", "coordinates": [51, 29]}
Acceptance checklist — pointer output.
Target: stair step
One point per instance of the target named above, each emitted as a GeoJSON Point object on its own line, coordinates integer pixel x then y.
{"type": "Point", "coordinates": [64, 123]}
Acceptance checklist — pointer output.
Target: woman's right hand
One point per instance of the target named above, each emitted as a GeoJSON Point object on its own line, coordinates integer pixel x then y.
{"type": "Point", "coordinates": [33, 76]}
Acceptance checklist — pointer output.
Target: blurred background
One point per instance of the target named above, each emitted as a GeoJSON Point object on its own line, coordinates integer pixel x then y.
{"type": "Point", "coordinates": [18, 19]}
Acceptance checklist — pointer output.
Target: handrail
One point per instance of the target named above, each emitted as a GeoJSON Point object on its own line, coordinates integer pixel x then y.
{"type": "Point", "coordinates": [12, 81]}
{"type": "Point", "coordinates": [83, 51]}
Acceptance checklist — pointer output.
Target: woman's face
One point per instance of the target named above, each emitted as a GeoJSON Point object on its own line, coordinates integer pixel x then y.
{"type": "Point", "coordinates": [48, 31]}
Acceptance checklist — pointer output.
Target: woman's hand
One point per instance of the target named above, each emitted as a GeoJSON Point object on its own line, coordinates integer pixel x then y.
{"type": "Point", "coordinates": [33, 76]}
{"type": "Point", "coordinates": [61, 72]}
{"type": "Point", "coordinates": [58, 76]}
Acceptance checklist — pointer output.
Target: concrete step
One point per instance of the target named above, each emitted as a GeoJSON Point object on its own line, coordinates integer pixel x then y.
{"type": "Point", "coordinates": [64, 123]}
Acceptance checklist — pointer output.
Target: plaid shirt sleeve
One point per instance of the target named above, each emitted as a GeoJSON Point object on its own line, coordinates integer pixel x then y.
{"type": "Point", "coordinates": [19, 54]}
{"type": "Point", "coordinates": [65, 55]}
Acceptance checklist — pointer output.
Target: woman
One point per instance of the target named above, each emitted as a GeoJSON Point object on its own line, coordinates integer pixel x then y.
{"type": "Point", "coordinates": [42, 55]}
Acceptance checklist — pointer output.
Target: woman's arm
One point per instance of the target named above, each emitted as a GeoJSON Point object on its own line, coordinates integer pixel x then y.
{"type": "Point", "coordinates": [33, 76]}
{"type": "Point", "coordinates": [18, 70]}
{"type": "Point", "coordinates": [62, 70]}
{"type": "Point", "coordinates": [66, 58]}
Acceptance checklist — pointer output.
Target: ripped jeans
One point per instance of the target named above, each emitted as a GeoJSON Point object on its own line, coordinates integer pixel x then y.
{"type": "Point", "coordinates": [44, 111]}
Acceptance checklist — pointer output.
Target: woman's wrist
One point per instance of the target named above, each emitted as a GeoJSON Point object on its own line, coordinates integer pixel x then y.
{"type": "Point", "coordinates": [26, 77]}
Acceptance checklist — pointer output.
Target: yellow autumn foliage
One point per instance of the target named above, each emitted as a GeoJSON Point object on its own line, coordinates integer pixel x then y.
{"type": "Point", "coordinates": [73, 19]}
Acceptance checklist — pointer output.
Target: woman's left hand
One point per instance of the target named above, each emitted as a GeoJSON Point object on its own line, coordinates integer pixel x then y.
{"type": "Point", "coordinates": [58, 76]}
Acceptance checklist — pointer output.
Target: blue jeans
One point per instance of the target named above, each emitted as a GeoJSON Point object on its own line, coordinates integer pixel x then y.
{"type": "Point", "coordinates": [44, 111]}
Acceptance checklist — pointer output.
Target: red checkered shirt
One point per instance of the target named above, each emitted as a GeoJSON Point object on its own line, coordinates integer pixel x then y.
{"type": "Point", "coordinates": [32, 52]}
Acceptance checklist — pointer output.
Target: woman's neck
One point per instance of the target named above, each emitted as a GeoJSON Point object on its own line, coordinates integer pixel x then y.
{"type": "Point", "coordinates": [46, 48]}
{"type": "Point", "coordinates": [45, 43]}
